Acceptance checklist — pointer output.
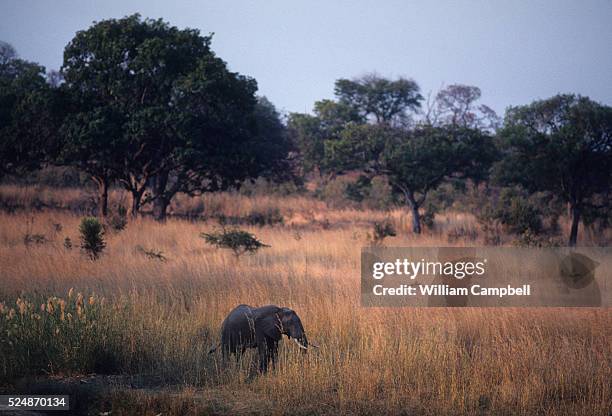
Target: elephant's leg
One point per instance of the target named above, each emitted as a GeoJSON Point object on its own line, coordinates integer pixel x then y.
{"type": "Point", "coordinates": [225, 353]}
{"type": "Point", "coordinates": [264, 356]}
{"type": "Point", "coordinates": [240, 350]}
{"type": "Point", "coordinates": [273, 351]}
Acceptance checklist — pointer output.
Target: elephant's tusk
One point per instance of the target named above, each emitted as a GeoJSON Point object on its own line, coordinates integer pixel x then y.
{"type": "Point", "coordinates": [299, 344]}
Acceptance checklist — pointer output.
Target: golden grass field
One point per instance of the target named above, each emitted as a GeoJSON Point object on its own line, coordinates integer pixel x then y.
{"type": "Point", "coordinates": [140, 316]}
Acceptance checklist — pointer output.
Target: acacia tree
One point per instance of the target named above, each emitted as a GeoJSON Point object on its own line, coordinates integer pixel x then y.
{"type": "Point", "coordinates": [415, 162]}
{"type": "Point", "coordinates": [564, 145]}
{"type": "Point", "coordinates": [456, 105]}
{"type": "Point", "coordinates": [379, 99]}
{"type": "Point", "coordinates": [184, 123]}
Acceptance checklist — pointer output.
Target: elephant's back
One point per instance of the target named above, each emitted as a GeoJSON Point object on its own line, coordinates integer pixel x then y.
{"type": "Point", "coordinates": [236, 328]}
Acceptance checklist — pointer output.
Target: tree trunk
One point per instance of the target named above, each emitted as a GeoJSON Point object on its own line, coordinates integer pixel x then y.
{"type": "Point", "coordinates": [160, 205]}
{"type": "Point", "coordinates": [160, 197]}
{"type": "Point", "coordinates": [416, 219]}
{"type": "Point", "coordinates": [575, 212]}
{"type": "Point", "coordinates": [102, 184]}
{"type": "Point", "coordinates": [414, 207]}
{"type": "Point", "coordinates": [136, 200]}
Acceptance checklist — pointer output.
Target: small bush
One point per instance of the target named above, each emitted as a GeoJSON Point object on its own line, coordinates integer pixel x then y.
{"type": "Point", "coordinates": [515, 211]}
{"type": "Point", "coordinates": [239, 241]}
{"type": "Point", "coordinates": [346, 191]}
{"type": "Point", "coordinates": [381, 231]}
{"type": "Point", "coordinates": [359, 190]}
{"type": "Point", "coordinates": [117, 219]}
{"type": "Point", "coordinates": [380, 195]}
{"type": "Point", "coordinates": [92, 237]}
{"type": "Point", "coordinates": [520, 216]}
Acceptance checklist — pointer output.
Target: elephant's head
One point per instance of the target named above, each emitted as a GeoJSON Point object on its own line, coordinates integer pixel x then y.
{"type": "Point", "coordinates": [291, 325]}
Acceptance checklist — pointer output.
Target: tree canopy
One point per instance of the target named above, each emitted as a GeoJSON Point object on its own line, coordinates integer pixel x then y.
{"type": "Point", "coordinates": [381, 99]}
{"type": "Point", "coordinates": [415, 162]}
{"type": "Point", "coordinates": [563, 145]}
{"type": "Point", "coordinates": [174, 116]}
{"type": "Point", "coordinates": [28, 114]}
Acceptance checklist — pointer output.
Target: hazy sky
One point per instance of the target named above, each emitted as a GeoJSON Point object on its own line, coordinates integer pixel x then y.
{"type": "Point", "coordinates": [515, 51]}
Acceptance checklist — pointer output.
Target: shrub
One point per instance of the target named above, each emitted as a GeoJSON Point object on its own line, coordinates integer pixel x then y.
{"type": "Point", "coordinates": [239, 241]}
{"type": "Point", "coordinates": [343, 191]}
{"type": "Point", "coordinates": [515, 211]}
{"type": "Point", "coordinates": [381, 231]}
{"type": "Point", "coordinates": [380, 195]}
{"type": "Point", "coordinates": [333, 192]}
{"type": "Point", "coordinates": [520, 216]}
{"type": "Point", "coordinates": [117, 219]}
{"type": "Point", "coordinates": [92, 237]}
{"type": "Point", "coordinates": [357, 191]}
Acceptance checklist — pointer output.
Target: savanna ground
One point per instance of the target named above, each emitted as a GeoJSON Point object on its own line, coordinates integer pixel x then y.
{"type": "Point", "coordinates": [130, 333]}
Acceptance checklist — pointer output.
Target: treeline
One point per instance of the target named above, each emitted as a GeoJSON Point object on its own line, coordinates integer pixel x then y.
{"type": "Point", "coordinates": [146, 106]}
{"type": "Point", "coordinates": [143, 105]}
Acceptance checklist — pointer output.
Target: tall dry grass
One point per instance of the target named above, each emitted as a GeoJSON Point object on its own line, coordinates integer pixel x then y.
{"type": "Point", "coordinates": [160, 318]}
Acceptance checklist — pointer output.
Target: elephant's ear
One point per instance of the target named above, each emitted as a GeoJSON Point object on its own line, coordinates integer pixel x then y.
{"type": "Point", "coordinates": [270, 325]}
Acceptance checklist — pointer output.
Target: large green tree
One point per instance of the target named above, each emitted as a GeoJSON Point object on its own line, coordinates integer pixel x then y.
{"type": "Point", "coordinates": [29, 114]}
{"type": "Point", "coordinates": [563, 145]}
{"type": "Point", "coordinates": [179, 120]}
{"type": "Point", "coordinates": [415, 162]}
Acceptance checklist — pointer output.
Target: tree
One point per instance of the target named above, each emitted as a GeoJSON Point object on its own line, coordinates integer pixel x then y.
{"type": "Point", "coordinates": [379, 99]}
{"type": "Point", "coordinates": [456, 105]}
{"type": "Point", "coordinates": [415, 162]}
{"type": "Point", "coordinates": [91, 142]}
{"type": "Point", "coordinates": [180, 120]}
{"type": "Point", "coordinates": [272, 150]}
{"type": "Point", "coordinates": [30, 113]}
{"type": "Point", "coordinates": [563, 145]}
{"type": "Point", "coordinates": [309, 132]}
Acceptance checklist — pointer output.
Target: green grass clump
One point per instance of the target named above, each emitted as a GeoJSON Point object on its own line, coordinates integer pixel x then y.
{"type": "Point", "coordinates": [92, 237]}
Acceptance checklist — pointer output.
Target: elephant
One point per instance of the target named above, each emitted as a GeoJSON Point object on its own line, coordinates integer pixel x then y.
{"type": "Point", "coordinates": [261, 328]}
